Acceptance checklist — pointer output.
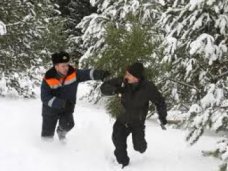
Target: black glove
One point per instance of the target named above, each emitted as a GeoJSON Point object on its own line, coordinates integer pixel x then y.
{"type": "Point", "coordinates": [119, 90]}
{"type": "Point", "coordinates": [100, 74]}
{"type": "Point", "coordinates": [163, 127]}
{"type": "Point", "coordinates": [163, 120]}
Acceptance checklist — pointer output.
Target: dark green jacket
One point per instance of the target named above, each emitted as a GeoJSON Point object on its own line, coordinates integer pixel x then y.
{"type": "Point", "coordinates": [135, 99]}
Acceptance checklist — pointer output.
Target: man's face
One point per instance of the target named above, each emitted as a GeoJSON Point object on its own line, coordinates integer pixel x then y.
{"type": "Point", "coordinates": [130, 78]}
{"type": "Point", "coordinates": [62, 68]}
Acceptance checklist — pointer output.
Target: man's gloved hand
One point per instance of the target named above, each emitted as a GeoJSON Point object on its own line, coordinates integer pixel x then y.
{"type": "Point", "coordinates": [162, 126]}
{"type": "Point", "coordinates": [119, 90]}
{"type": "Point", "coordinates": [105, 74]}
{"type": "Point", "coordinates": [100, 74]}
{"type": "Point", "coordinates": [163, 122]}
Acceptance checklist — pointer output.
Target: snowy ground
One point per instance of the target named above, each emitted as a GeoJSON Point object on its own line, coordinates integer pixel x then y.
{"type": "Point", "coordinates": [89, 146]}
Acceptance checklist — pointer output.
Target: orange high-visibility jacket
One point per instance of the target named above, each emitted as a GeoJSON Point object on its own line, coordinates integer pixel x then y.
{"type": "Point", "coordinates": [55, 90]}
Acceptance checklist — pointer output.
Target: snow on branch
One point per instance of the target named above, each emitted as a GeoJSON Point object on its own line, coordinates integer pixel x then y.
{"type": "Point", "coordinates": [2, 28]}
{"type": "Point", "coordinates": [205, 44]}
{"type": "Point", "coordinates": [184, 84]}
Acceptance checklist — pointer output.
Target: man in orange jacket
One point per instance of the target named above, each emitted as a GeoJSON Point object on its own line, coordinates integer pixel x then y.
{"type": "Point", "coordinates": [59, 92]}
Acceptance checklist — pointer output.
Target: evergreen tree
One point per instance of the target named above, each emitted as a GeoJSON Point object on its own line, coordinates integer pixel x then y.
{"type": "Point", "coordinates": [73, 11]}
{"type": "Point", "coordinates": [220, 152]}
{"type": "Point", "coordinates": [33, 33]}
{"type": "Point", "coordinates": [2, 28]}
{"type": "Point", "coordinates": [195, 52]}
{"type": "Point", "coordinates": [94, 26]}
{"type": "Point", "coordinates": [196, 48]}
{"type": "Point", "coordinates": [78, 9]}
{"type": "Point", "coordinates": [119, 34]}
{"type": "Point", "coordinates": [64, 7]}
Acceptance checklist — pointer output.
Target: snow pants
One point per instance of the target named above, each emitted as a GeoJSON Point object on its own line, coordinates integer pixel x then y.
{"type": "Point", "coordinates": [119, 137]}
{"type": "Point", "coordinates": [66, 123]}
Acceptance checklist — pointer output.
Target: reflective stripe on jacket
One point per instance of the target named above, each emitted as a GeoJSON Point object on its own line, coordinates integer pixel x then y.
{"type": "Point", "coordinates": [55, 91]}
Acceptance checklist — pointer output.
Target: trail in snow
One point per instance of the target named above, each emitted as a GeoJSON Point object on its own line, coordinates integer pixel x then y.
{"type": "Point", "coordinates": [89, 146]}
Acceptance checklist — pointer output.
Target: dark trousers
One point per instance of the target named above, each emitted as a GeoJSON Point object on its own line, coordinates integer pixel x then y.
{"type": "Point", "coordinates": [119, 138]}
{"type": "Point", "coordinates": [66, 123]}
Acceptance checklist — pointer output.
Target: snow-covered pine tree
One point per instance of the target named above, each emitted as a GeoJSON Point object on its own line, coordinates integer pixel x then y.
{"type": "Point", "coordinates": [33, 32]}
{"type": "Point", "coordinates": [221, 152]}
{"type": "Point", "coordinates": [121, 33]}
{"type": "Point", "coordinates": [63, 7]}
{"type": "Point", "coordinates": [196, 46]}
{"type": "Point", "coordinates": [77, 10]}
{"type": "Point", "coordinates": [2, 28]}
{"type": "Point", "coordinates": [73, 11]}
{"type": "Point", "coordinates": [115, 12]}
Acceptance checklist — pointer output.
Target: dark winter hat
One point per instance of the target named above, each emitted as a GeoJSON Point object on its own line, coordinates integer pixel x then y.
{"type": "Point", "coordinates": [137, 70]}
{"type": "Point", "coordinates": [61, 57]}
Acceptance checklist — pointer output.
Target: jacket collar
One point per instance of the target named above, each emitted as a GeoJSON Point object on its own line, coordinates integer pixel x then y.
{"type": "Point", "coordinates": [52, 73]}
{"type": "Point", "coordinates": [136, 86]}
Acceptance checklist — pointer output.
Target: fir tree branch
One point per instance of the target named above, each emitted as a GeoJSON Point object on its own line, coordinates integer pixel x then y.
{"type": "Point", "coordinates": [14, 24]}
{"type": "Point", "coordinates": [221, 75]}
{"type": "Point", "coordinates": [183, 83]}
{"type": "Point", "coordinates": [211, 75]}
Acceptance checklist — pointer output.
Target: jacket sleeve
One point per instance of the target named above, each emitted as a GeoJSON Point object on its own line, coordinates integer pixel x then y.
{"type": "Point", "coordinates": [48, 99]}
{"type": "Point", "coordinates": [159, 101]}
{"type": "Point", "coordinates": [90, 74]}
{"type": "Point", "coordinates": [84, 74]}
{"type": "Point", "coordinates": [110, 87]}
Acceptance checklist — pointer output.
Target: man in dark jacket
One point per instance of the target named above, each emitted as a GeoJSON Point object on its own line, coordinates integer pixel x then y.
{"type": "Point", "coordinates": [135, 93]}
{"type": "Point", "coordinates": [58, 94]}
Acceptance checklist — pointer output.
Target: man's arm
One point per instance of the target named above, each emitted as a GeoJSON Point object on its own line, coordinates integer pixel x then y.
{"type": "Point", "coordinates": [91, 74]}
{"type": "Point", "coordinates": [159, 101]}
{"type": "Point", "coordinates": [50, 100]}
{"type": "Point", "coordinates": [111, 87]}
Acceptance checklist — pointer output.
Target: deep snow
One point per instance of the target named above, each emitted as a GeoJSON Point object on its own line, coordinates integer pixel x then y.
{"type": "Point", "coordinates": [89, 146]}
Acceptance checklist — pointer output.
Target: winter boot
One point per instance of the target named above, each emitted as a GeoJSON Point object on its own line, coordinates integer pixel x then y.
{"type": "Point", "coordinates": [125, 164]}
{"type": "Point", "coordinates": [61, 134]}
{"type": "Point", "coordinates": [122, 158]}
